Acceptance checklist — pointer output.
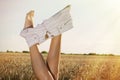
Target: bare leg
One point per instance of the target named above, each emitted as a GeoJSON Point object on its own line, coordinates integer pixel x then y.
{"type": "Point", "coordinates": [38, 64]}
{"type": "Point", "coordinates": [53, 56]}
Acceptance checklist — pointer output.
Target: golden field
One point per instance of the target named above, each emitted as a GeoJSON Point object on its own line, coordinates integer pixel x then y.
{"type": "Point", "coordinates": [17, 66]}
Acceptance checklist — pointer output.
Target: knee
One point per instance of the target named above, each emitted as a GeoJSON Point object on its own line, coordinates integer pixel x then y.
{"type": "Point", "coordinates": [44, 77]}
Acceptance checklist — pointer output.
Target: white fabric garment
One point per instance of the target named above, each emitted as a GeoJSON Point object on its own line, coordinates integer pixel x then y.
{"type": "Point", "coordinates": [55, 25]}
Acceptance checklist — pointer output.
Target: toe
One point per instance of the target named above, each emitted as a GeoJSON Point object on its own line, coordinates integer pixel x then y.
{"type": "Point", "coordinates": [31, 13]}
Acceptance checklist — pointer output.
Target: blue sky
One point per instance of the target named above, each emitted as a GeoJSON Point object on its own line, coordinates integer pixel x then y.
{"type": "Point", "coordinates": [96, 24]}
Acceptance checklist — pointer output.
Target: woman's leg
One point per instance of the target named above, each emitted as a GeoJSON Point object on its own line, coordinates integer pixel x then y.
{"type": "Point", "coordinates": [53, 56]}
{"type": "Point", "coordinates": [38, 64]}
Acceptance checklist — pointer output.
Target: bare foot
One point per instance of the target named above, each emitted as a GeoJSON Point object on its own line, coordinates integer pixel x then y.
{"type": "Point", "coordinates": [68, 6]}
{"type": "Point", "coordinates": [29, 20]}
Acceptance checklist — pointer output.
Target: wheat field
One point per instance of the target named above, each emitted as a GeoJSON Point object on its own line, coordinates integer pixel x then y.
{"type": "Point", "coordinates": [17, 66]}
